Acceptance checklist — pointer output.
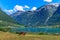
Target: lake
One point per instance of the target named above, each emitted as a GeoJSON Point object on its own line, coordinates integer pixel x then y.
{"type": "Point", "coordinates": [47, 30]}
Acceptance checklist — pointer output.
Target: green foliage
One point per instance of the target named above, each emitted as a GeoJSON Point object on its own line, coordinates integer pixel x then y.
{"type": "Point", "coordinates": [6, 22]}
{"type": "Point", "coordinates": [5, 29]}
{"type": "Point", "coordinates": [41, 33]}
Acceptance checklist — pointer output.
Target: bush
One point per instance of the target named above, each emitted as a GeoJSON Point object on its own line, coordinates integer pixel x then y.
{"type": "Point", "coordinates": [41, 33]}
{"type": "Point", "coordinates": [4, 29]}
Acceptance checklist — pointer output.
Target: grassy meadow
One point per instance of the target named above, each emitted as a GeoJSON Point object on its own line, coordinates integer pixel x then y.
{"type": "Point", "coordinates": [12, 36]}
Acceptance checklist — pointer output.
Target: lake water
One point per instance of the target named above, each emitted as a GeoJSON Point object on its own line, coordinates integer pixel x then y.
{"type": "Point", "coordinates": [47, 30]}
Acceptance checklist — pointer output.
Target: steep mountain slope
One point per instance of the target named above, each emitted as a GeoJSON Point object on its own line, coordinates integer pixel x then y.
{"type": "Point", "coordinates": [6, 20]}
{"type": "Point", "coordinates": [55, 19]}
{"type": "Point", "coordinates": [48, 11]}
{"type": "Point", "coordinates": [46, 15]}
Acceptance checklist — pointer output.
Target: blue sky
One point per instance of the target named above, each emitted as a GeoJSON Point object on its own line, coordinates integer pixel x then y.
{"type": "Point", "coordinates": [9, 4]}
{"type": "Point", "coordinates": [26, 4]}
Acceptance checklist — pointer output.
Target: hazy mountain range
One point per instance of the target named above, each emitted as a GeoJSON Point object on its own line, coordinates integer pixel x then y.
{"type": "Point", "coordinates": [45, 15]}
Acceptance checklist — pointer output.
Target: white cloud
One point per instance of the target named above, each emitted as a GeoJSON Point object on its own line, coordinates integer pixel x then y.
{"type": "Point", "coordinates": [26, 6]}
{"type": "Point", "coordinates": [48, 0]}
{"type": "Point", "coordinates": [20, 8]}
{"type": "Point", "coordinates": [17, 7]}
{"type": "Point", "coordinates": [8, 11]}
{"type": "Point", "coordinates": [34, 8]}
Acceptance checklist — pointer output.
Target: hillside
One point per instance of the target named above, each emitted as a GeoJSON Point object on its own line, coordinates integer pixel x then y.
{"type": "Point", "coordinates": [6, 22]}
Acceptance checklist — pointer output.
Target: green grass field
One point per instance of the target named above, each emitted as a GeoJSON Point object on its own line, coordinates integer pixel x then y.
{"type": "Point", "coordinates": [11, 36]}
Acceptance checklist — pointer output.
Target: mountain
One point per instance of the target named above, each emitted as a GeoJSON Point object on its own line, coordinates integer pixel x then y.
{"type": "Point", "coordinates": [45, 15]}
{"type": "Point", "coordinates": [49, 13]}
{"type": "Point", "coordinates": [6, 21]}
{"type": "Point", "coordinates": [55, 19]}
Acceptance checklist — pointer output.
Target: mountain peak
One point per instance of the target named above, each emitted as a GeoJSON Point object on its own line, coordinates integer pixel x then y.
{"type": "Point", "coordinates": [54, 4]}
